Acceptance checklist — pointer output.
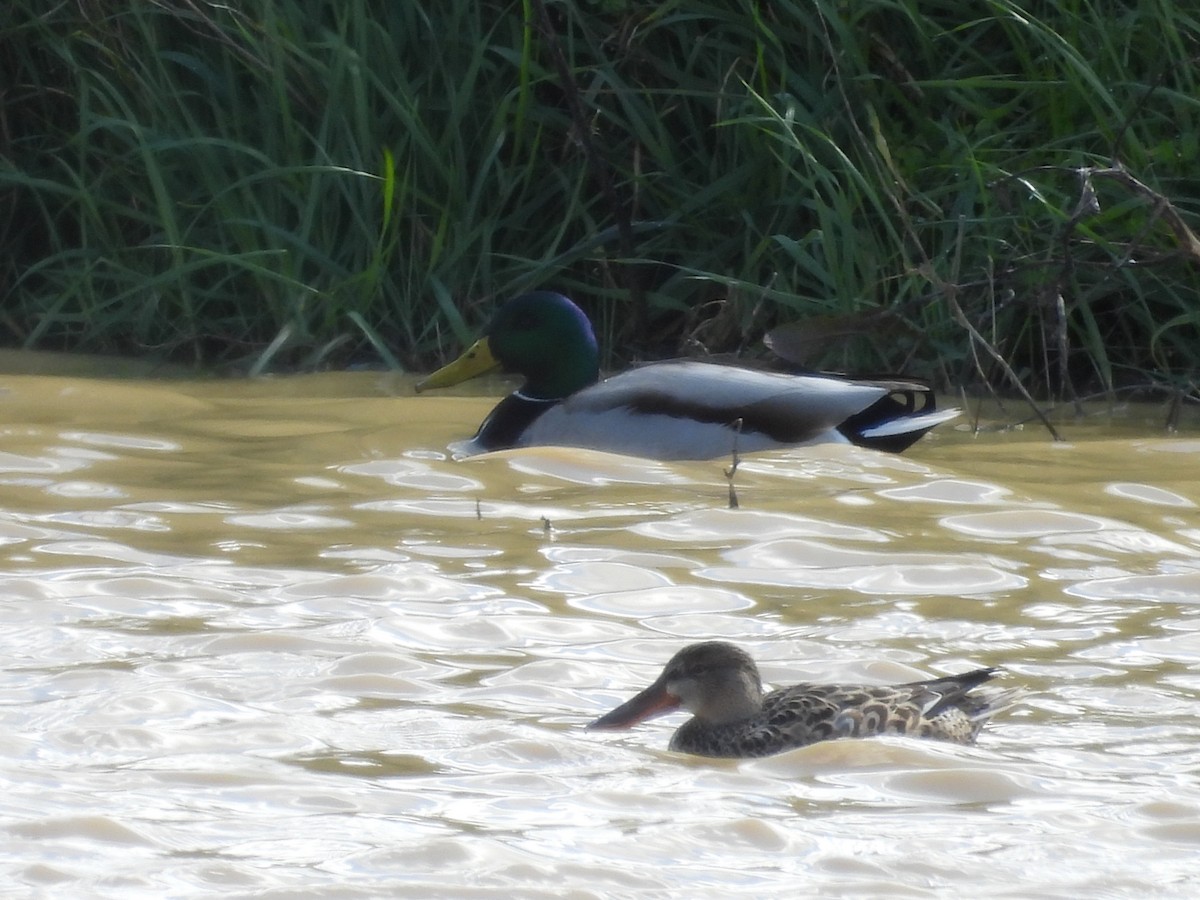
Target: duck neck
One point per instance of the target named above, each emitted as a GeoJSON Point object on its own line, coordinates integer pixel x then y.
{"type": "Point", "coordinates": [566, 371]}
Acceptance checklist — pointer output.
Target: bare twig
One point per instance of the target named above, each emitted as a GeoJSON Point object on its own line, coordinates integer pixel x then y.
{"type": "Point", "coordinates": [1163, 208]}
{"type": "Point", "coordinates": [599, 167]}
{"type": "Point", "coordinates": [948, 290]}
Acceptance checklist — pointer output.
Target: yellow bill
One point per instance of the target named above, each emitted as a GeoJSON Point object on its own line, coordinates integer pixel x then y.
{"type": "Point", "coordinates": [477, 360]}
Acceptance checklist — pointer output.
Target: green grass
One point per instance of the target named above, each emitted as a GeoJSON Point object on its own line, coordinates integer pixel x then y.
{"type": "Point", "coordinates": [986, 194]}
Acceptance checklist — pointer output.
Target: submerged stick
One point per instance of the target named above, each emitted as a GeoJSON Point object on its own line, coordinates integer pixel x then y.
{"type": "Point", "coordinates": [732, 470]}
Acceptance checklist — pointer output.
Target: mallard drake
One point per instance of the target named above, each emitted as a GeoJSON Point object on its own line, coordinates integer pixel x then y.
{"type": "Point", "coordinates": [680, 409]}
{"type": "Point", "coordinates": [719, 685]}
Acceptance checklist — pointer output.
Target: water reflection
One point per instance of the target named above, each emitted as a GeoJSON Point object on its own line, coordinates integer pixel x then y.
{"type": "Point", "coordinates": [264, 645]}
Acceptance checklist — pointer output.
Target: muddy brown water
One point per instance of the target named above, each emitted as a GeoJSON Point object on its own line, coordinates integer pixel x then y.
{"type": "Point", "coordinates": [262, 638]}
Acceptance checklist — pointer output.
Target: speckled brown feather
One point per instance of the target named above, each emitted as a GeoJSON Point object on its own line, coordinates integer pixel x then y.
{"type": "Point", "coordinates": [732, 717]}
{"type": "Point", "coordinates": [806, 713]}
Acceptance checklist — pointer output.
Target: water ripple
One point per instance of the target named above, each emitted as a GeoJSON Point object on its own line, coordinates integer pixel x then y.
{"type": "Point", "coordinates": [815, 564]}
{"type": "Point", "coordinates": [271, 647]}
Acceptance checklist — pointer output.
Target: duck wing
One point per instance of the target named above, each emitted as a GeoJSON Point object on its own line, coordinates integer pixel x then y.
{"type": "Point", "coordinates": [685, 409]}
{"type": "Point", "coordinates": [789, 409]}
{"type": "Point", "coordinates": [942, 708]}
{"type": "Point", "coordinates": [898, 419]}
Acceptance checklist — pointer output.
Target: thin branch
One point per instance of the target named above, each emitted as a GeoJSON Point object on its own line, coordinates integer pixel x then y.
{"type": "Point", "coordinates": [925, 268]}
{"type": "Point", "coordinates": [598, 165]}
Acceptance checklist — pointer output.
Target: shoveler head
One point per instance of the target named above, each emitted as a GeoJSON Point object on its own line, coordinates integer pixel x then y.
{"type": "Point", "coordinates": [715, 681]}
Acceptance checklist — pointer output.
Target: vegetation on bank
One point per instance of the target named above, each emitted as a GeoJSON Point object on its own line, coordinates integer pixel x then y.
{"type": "Point", "coordinates": [983, 193]}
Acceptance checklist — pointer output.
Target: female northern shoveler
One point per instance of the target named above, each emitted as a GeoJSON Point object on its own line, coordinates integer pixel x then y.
{"type": "Point", "coordinates": [719, 685]}
{"type": "Point", "coordinates": [681, 409]}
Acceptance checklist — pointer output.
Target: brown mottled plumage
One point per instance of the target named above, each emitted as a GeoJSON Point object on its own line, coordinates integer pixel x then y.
{"type": "Point", "coordinates": [720, 685]}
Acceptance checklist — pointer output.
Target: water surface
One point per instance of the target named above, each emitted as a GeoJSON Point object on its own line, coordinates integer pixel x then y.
{"type": "Point", "coordinates": [265, 637]}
